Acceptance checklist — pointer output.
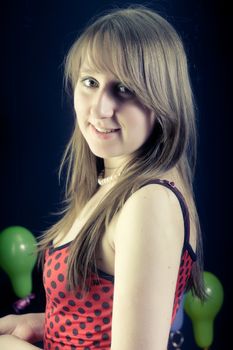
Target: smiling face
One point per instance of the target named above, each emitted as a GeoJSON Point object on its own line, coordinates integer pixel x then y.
{"type": "Point", "coordinates": [112, 120]}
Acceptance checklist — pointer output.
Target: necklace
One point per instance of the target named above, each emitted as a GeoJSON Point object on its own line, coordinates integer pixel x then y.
{"type": "Point", "coordinates": [106, 180]}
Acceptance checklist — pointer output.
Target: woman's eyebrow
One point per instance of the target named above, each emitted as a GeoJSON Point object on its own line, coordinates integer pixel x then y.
{"type": "Point", "coordinates": [88, 70]}
{"type": "Point", "coordinates": [94, 71]}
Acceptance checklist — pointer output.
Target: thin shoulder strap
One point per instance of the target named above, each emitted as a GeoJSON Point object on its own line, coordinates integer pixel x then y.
{"type": "Point", "coordinates": [184, 208]}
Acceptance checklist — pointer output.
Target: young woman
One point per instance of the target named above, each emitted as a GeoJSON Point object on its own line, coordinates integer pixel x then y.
{"type": "Point", "coordinates": [128, 244]}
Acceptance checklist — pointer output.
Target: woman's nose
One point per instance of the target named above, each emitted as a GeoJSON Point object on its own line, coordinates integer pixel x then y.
{"type": "Point", "coordinates": [103, 105]}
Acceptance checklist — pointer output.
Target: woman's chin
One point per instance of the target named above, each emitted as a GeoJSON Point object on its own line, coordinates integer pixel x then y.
{"type": "Point", "coordinates": [104, 153]}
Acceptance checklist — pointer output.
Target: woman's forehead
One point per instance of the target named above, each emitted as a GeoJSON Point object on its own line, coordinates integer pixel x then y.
{"type": "Point", "coordinates": [95, 62]}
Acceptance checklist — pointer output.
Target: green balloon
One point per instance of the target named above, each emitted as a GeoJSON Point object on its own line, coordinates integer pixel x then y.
{"type": "Point", "coordinates": [18, 257]}
{"type": "Point", "coordinates": [203, 314]}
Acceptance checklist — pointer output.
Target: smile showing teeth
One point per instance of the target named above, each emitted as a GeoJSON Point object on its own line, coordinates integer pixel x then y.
{"type": "Point", "coordinates": [106, 131]}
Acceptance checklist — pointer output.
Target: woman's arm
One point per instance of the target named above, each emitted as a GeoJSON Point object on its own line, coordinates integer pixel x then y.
{"type": "Point", "coordinates": [148, 243]}
{"type": "Point", "coordinates": [10, 342]}
{"type": "Point", "coordinates": [28, 327]}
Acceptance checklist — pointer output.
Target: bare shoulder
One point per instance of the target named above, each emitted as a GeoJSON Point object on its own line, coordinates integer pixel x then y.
{"type": "Point", "coordinates": [153, 193]}
{"type": "Point", "coordinates": [153, 207]}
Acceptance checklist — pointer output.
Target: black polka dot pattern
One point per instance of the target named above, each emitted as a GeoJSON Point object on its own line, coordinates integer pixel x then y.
{"type": "Point", "coordinates": [76, 322]}
{"type": "Point", "coordinates": [72, 320]}
{"type": "Point", "coordinates": [183, 275]}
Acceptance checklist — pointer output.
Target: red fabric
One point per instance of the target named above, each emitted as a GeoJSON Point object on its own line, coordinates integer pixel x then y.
{"type": "Point", "coordinates": [74, 322]}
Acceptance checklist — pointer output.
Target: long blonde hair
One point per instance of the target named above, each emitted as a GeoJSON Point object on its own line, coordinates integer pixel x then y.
{"type": "Point", "coordinates": [146, 54]}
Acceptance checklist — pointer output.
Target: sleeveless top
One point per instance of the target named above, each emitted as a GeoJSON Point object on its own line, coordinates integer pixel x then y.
{"type": "Point", "coordinates": [73, 321]}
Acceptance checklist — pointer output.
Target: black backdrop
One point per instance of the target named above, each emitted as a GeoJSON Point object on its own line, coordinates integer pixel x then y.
{"type": "Point", "coordinates": [36, 121]}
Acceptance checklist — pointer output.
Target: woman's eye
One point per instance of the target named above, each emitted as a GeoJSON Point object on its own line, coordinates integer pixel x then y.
{"type": "Point", "coordinates": [119, 89]}
{"type": "Point", "coordinates": [90, 82]}
{"type": "Point", "coordinates": [123, 90]}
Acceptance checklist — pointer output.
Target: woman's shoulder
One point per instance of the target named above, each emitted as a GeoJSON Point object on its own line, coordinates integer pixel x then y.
{"type": "Point", "coordinates": [160, 204]}
{"type": "Point", "coordinates": [153, 207]}
{"type": "Point", "coordinates": [167, 190]}
{"type": "Point", "coordinates": [156, 194]}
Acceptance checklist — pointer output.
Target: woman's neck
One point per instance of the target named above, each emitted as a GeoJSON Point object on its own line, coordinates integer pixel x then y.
{"type": "Point", "coordinates": [113, 166]}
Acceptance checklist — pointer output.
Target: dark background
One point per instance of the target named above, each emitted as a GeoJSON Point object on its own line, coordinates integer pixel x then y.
{"type": "Point", "coordinates": [36, 121]}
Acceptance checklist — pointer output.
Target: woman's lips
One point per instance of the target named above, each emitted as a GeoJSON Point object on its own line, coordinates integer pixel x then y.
{"type": "Point", "coordinates": [104, 133]}
{"type": "Point", "coordinates": [106, 130]}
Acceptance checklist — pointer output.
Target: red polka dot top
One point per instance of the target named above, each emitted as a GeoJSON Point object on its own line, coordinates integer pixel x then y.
{"type": "Point", "coordinates": [73, 321]}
